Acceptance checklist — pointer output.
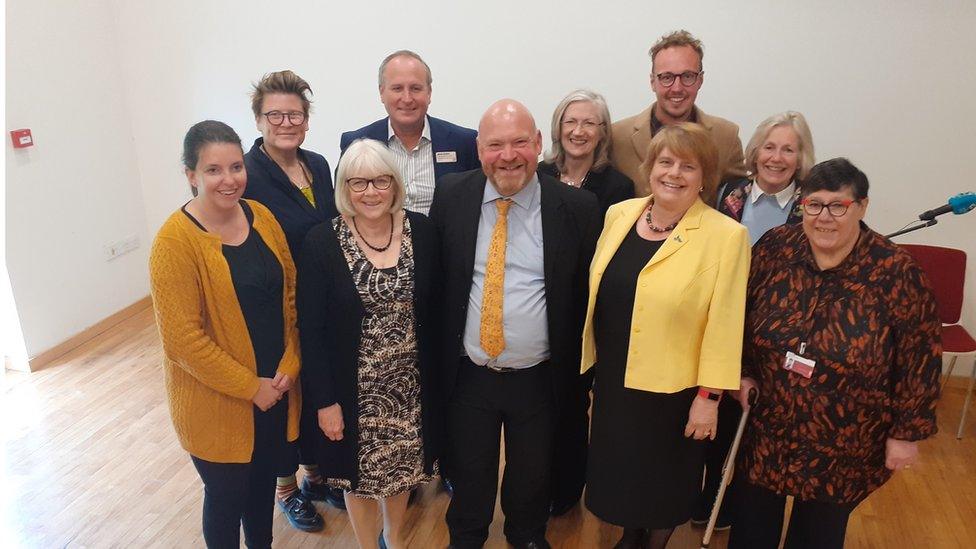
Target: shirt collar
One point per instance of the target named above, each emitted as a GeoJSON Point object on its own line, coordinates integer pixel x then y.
{"type": "Point", "coordinates": [425, 134]}
{"type": "Point", "coordinates": [657, 124]}
{"type": "Point", "coordinates": [526, 199]}
{"type": "Point", "coordinates": [782, 198]}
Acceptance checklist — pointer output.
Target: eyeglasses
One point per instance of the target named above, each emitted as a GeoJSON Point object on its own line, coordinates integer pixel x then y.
{"type": "Point", "coordinates": [588, 125]}
{"type": "Point", "coordinates": [688, 78]}
{"type": "Point", "coordinates": [276, 118]}
{"type": "Point", "coordinates": [359, 184]}
{"type": "Point", "coordinates": [835, 209]}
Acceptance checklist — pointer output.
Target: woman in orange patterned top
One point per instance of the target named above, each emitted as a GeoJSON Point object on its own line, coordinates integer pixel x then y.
{"type": "Point", "coordinates": [843, 341]}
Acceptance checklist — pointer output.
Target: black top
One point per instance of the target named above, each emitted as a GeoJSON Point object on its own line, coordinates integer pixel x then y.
{"type": "Point", "coordinates": [258, 281]}
{"type": "Point", "coordinates": [330, 316]}
{"type": "Point", "coordinates": [609, 185]}
{"type": "Point", "coordinates": [268, 184]}
{"type": "Point", "coordinates": [613, 312]}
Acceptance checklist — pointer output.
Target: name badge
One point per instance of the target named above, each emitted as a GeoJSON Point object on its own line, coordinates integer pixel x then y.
{"type": "Point", "coordinates": [801, 365]}
{"type": "Point", "coordinates": [445, 156]}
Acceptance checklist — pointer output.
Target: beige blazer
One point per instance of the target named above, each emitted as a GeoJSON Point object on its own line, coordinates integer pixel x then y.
{"type": "Point", "coordinates": [632, 137]}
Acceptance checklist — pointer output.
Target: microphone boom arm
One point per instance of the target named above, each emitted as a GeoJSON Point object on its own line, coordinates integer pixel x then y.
{"type": "Point", "coordinates": [927, 223]}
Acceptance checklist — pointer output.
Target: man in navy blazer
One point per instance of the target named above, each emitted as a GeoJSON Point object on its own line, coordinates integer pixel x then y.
{"type": "Point", "coordinates": [426, 148]}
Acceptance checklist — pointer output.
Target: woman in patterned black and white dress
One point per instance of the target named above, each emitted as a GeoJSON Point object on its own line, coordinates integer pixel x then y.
{"type": "Point", "coordinates": [366, 318]}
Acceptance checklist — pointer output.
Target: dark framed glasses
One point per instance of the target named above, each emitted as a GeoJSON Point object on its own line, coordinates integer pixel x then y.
{"type": "Point", "coordinates": [380, 183]}
{"type": "Point", "coordinates": [277, 118]}
{"type": "Point", "coordinates": [835, 209]}
{"type": "Point", "coordinates": [688, 78]}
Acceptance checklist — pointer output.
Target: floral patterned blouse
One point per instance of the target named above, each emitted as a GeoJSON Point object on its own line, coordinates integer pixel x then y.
{"type": "Point", "coordinates": [871, 326]}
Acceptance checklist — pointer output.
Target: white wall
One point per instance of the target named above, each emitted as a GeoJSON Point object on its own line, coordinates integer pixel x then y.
{"type": "Point", "coordinates": [78, 187]}
{"type": "Point", "coordinates": [888, 84]}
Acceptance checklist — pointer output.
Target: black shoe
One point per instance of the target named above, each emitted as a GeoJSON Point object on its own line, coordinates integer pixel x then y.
{"type": "Point", "coordinates": [323, 492]}
{"type": "Point", "coordinates": [633, 538]}
{"type": "Point", "coordinates": [301, 513]}
{"type": "Point", "coordinates": [557, 509]}
{"type": "Point", "coordinates": [382, 542]}
{"type": "Point", "coordinates": [314, 491]}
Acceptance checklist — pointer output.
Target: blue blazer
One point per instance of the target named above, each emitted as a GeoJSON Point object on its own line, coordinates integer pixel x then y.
{"type": "Point", "coordinates": [444, 137]}
{"type": "Point", "coordinates": [268, 184]}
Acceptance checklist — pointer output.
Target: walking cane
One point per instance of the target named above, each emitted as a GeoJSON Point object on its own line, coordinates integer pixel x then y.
{"type": "Point", "coordinates": [727, 468]}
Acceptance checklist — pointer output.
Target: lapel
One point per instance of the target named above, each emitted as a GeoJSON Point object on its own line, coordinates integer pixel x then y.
{"type": "Point", "coordinates": [554, 227]}
{"type": "Point", "coordinates": [281, 180]}
{"type": "Point", "coordinates": [641, 138]}
{"type": "Point", "coordinates": [438, 142]}
{"type": "Point", "coordinates": [469, 211]}
{"type": "Point", "coordinates": [615, 232]}
{"type": "Point", "coordinates": [684, 232]}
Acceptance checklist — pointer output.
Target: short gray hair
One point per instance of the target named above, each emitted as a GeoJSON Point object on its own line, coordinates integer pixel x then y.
{"type": "Point", "coordinates": [404, 53]}
{"type": "Point", "coordinates": [790, 119]}
{"type": "Point", "coordinates": [601, 155]}
{"type": "Point", "coordinates": [366, 157]}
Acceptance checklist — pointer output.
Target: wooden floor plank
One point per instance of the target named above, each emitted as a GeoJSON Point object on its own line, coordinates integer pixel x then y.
{"type": "Point", "coordinates": [90, 460]}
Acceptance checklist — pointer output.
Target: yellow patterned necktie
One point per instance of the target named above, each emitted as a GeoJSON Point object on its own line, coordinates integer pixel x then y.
{"type": "Point", "coordinates": [492, 331]}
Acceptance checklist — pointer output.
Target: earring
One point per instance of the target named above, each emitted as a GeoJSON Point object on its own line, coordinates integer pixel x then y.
{"type": "Point", "coordinates": [700, 189]}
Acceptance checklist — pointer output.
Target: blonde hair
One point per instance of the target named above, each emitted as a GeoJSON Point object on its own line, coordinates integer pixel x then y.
{"type": "Point", "coordinates": [789, 119]}
{"type": "Point", "coordinates": [366, 156]}
{"type": "Point", "coordinates": [688, 141]}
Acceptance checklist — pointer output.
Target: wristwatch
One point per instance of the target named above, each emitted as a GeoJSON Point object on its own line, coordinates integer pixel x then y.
{"type": "Point", "coordinates": [709, 395]}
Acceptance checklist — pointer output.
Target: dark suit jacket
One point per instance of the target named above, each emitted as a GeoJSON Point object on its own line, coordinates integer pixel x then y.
{"type": "Point", "coordinates": [570, 227]}
{"type": "Point", "coordinates": [330, 316]}
{"type": "Point", "coordinates": [269, 185]}
{"type": "Point", "coordinates": [444, 137]}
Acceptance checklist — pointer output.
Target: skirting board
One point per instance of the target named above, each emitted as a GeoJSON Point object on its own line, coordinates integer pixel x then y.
{"type": "Point", "coordinates": [47, 357]}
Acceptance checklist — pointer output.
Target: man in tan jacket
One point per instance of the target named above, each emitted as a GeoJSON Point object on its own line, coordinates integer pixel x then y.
{"type": "Point", "coordinates": [676, 77]}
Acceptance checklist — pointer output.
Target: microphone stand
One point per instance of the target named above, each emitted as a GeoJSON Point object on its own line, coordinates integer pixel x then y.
{"type": "Point", "coordinates": [923, 225]}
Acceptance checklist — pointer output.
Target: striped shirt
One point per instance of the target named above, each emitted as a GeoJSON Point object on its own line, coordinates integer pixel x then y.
{"type": "Point", "coordinates": [417, 169]}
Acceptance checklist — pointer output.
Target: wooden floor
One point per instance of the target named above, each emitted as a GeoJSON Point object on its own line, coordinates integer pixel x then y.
{"type": "Point", "coordinates": [90, 460]}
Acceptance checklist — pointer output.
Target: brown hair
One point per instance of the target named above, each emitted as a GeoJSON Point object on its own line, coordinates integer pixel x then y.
{"type": "Point", "coordinates": [688, 141]}
{"type": "Point", "coordinates": [677, 39]}
{"type": "Point", "coordinates": [280, 82]}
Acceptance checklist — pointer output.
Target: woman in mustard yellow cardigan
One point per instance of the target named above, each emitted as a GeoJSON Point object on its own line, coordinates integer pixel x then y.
{"type": "Point", "coordinates": [223, 288]}
{"type": "Point", "coordinates": [664, 330]}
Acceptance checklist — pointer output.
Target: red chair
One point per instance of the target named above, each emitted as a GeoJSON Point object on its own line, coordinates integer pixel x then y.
{"type": "Point", "coordinates": [946, 269]}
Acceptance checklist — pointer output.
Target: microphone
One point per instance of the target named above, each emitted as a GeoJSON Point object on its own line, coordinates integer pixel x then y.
{"type": "Point", "coordinates": [959, 204]}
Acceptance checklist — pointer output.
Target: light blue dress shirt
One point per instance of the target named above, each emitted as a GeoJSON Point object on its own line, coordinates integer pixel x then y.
{"type": "Point", "coordinates": [762, 211]}
{"type": "Point", "coordinates": [524, 306]}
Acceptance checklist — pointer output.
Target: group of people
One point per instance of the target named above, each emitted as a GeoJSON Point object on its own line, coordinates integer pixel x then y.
{"type": "Point", "coordinates": [449, 289]}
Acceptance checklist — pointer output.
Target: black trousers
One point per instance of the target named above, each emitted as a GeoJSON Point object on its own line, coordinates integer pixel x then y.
{"type": "Point", "coordinates": [729, 412]}
{"type": "Point", "coordinates": [758, 521]}
{"type": "Point", "coordinates": [236, 493]}
{"type": "Point", "coordinates": [571, 443]}
{"type": "Point", "coordinates": [482, 403]}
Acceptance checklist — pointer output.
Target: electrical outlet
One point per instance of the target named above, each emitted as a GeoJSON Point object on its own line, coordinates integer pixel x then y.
{"type": "Point", "coordinates": [120, 247]}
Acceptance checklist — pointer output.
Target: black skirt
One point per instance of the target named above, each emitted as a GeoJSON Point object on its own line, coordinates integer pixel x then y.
{"type": "Point", "coordinates": [642, 471]}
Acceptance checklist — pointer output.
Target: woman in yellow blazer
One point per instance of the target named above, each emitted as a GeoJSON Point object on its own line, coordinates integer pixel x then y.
{"type": "Point", "coordinates": [664, 328]}
{"type": "Point", "coordinates": [223, 288]}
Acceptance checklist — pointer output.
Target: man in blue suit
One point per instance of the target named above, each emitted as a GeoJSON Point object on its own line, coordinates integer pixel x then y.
{"type": "Point", "coordinates": [426, 148]}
